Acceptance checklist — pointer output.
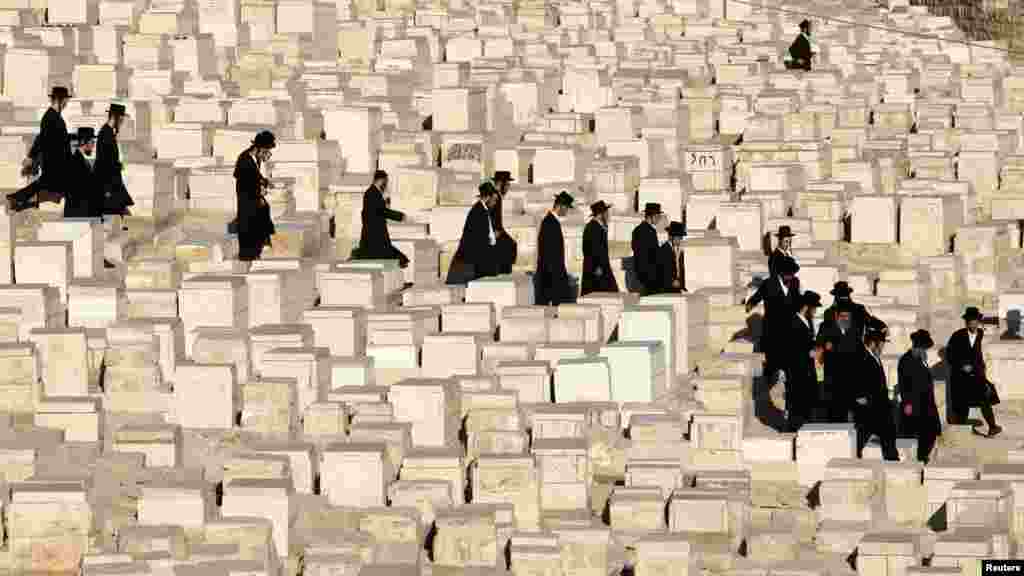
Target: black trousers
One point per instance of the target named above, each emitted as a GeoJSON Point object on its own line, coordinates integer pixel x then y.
{"type": "Point", "coordinates": [925, 443]}
{"type": "Point", "coordinates": [959, 414]}
{"type": "Point", "coordinates": [250, 246]}
{"type": "Point", "coordinates": [875, 420]}
{"type": "Point", "coordinates": [506, 250]}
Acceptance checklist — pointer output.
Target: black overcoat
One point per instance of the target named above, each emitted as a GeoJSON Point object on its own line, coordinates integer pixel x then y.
{"type": "Point", "coordinates": [595, 257]}
{"type": "Point", "coordinates": [108, 173]}
{"type": "Point", "coordinates": [83, 194]}
{"type": "Point", "coordinates": [967, 390]}
{"type": "Point", "coordinates": [645, 257]}
{"type": "Point", "coordinates": [475, 256]}
{"type": "Point", "coordinates": [916, 388]}
{"type": "Point", "coordinates": [551, 280]}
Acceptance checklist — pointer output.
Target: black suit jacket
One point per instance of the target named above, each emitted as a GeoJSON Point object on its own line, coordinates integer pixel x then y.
{"type": "Point", "coordinates": [551, 281]}
{"type": "Point", "coordinates": [496, 214]}
{"type": "Point", "coordinates": [474, 257]}
{"type": "Point", "coordinates": [51, 151]}
{"type": "Point", "coordinates": [917, 389]}
{"type": "Point", "coordinates": [668, 268]}
{"type": "Point", "coordinates": [107, 171]}
{"type": "Point", "coordinates": [840, 354]}
{"type": "Point", "coordinates": [374, 240]}
{"type": "Point", "coordinates": [779, 308]}
{"type": "Point", "coordinates": [595, 256]}
{"type": "Point", "coordinates": [253, 211]}
{"type": "Point", "coordinates": [966, 389]}
{"type": "Point", "coordinates": [800, 50]}
{"type": "Point", "coordinates": [871, 383]}
{"type": "Point", "coordinates": [801, 371]}
{"type": "Point", "coordinates": [645, 256]}
{"type": "Point", "coordinates": [81, 199]}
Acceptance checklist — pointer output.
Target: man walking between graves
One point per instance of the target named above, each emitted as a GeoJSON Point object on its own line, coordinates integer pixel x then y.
{"type": "Point", "coordinates": [50, 157]}
{"type": "Point", "coordinates": [857, 314]}
{"type": "Point", "coordinates": [872, 411]}
{"type": "Point", "coordinates": [671, 267]}
{"type": "Point", "coordinates": [783, 248]}
{"type": "Point", "coordinates": [801, 374]}
{"type": "Point", "coordinates": [781, 297]}
{"type": "Point", "coordinates": [551, 283]}
{"type": "Point", "coordinates": [80, 198]}
{"type": "Point", "coordinates": [838, 346]}
{"type": "Point", "coordinates": [800, 52]}
{"type": "Point", "coordinates": [255, 226]}
{"type": "Point", "coordinates": [475, 256]}
{"type": "Point", "coordinates": [505, 248]}
{"type": "Point", "coordinates": [597, 267]}
{"type": "Point", "coordinates": [645, 250]}
{"type": "Point", "coordinates": [916, 388]}
{"type": "Point", "coordinates": [969, 385]}
{"type": "Point", "coordinates": [108, 168]}
{"type": "Point", "coordinates": [374, 240]}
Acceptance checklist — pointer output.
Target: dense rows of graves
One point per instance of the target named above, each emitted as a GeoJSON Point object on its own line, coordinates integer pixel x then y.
{"type": "Point", "coordinates": [187, 413]}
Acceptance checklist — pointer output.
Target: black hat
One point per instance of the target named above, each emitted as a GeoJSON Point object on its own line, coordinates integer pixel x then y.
{"type": "Point", "coordinates": [921, 339]}
{"type": "Point", "coordinates": [787, 266]}
{"type": "Point", "coordinates": [265, 139]}
{"type": "Point", "coordinates": [117, 109]}
{"type": "Point", "coordinates": [876, 330]}
{"type": "Point", "coordinates": [565, 199]}
{"type": "Point", "coordinates": [486, 189]}
{"type": "Point", "coordinates": [598, 207]}
{"type": "Point", "coordinates": [652, 209]}
{"type": "Point", "coordinates": [841, 289]}
{"type": "Point", "coordinates": [60, 92]}
{"type": "Point", "coordinates": [503, 176]}
{"type": "Point", "coordinates": [379, 174]}
{"type": "Point", "coordinates": [85, 134]}
{"type": "Point", "coordinates": [785, 232]}
{"type": "Point", "coordinates": [972, 313]}
{"type": "Point", "coordinates": [810, 298]}
{"type": "Point", "coordinates": [805, 24]}
{"type": "Point", "coordinates": [676, 230]}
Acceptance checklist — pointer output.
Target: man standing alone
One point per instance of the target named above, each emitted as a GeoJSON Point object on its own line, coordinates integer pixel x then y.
{"type": "Point", "coordinates": [969, 386]}
{"type": "Point", "coordinates": [255, 226]}
{"type": "Point", "coordinates": [374, 240]}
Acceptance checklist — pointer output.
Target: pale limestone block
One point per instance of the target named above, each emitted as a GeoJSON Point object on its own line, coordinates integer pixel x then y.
{"type": "Point", "coordinates": [397, 533]}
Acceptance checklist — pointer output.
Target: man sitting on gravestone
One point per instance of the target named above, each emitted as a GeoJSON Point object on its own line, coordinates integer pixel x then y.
{"type": "Point", "coordinates": [800, 54]}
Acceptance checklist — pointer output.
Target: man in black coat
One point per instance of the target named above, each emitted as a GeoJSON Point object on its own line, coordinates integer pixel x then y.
{"type": "Point", "coordinates": [858, 314]}
{"type": "Point", "coordinates": [50, 154]}
{"type": "Point", "coordinates": [780, 294]}
{"type": "Point", "coordinates": [801, 373]}
{"type": "Point", "coordinates": [839, 345]}
{"type": "Point", "coordinates": [597, 267]}
{"type": "Point", "coordinates": [505, 247]}
{"type": "Point", "coordinates": [920, 415]}
{"type": "Point", "coordinates": [551, 283]}
{"type": "Point", "coordinates": [108, 168]}
{"type": "Point", "coordinates": [80, 198]}
{"type": "Point", "coordinates": [783, 249]}
{"type": "Point", "coordinates": [255, 226]}
{"type": "Point", "coordinates": [968, 384]}
{"type": "Point", "coordinates": [374, 240]}
{"type": "Point", "coordinates": [645, 250]}
{"type": "Point", "coordinates": [800, 53]}
{"type": "Point", "coordinates": [671, 265]}
{"type": "Point", "coordinates": [475, 256]}
{"type": "Point", "coordinates": [872, 410]}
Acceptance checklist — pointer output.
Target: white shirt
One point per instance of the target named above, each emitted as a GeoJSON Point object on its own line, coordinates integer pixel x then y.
{"type": "Point", "coordinates": [972, 337]}
{"type": "Point", "coordinates": [785, 289]}
{"type": "Point", "coordinates": [490, 225]}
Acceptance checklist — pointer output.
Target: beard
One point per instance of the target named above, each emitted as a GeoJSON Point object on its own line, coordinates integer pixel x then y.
{"type": "Point", "coordinates": [844, 325]}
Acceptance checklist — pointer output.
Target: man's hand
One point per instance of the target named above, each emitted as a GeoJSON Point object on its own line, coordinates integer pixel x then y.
{"type": "Point", "coordinates": [676, 284]}
{"type": "Point", "coordinates": [968, 369]}
{"type": "Point", "coordinates": [908, 410]}
{"type": "Point", "coordinates": [749, 307]}
{"type": "Point", "coordinates": [598, 271]}
{"type": "Point", "coordinates": [862, 401]}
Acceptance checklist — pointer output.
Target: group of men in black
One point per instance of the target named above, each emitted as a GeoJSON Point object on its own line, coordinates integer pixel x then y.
{"type": "Point", "coordinates": [848, 347]}
{"type": "Point", "coordinates": [83, 169]}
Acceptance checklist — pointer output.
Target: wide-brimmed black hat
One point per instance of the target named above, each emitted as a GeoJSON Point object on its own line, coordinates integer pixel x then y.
{"type": "Point", "coordinates": [652, 209]}
{"type": "Point", "coordinates": [563, 198]}
{"type": "Point", "coordinates": [810, 298]}
{"type": "Point", "coordinates": [503, 176]}
{"type": "Point", "coordinates": [85, 134]}
{"type": "Point", "coordinates": [921, 339]}
{"type": "Point", "coordinates": [972, 313]}
{"type": "Point", "coordinates": [265, 139]}
{"type": "Point", "coordinates": [805, 24]}
{"type": "Point", "coordinates": [841, 289]}
{"type": "Point", "coordinates": [598, 208]}
{"type": "Point", "coordinates": [60, 92]}
{"type": "Point", "coordinates": [876, 329]}
{"type": "Point", "coordinates": [785, 232]}
{"type": "Point", "coordinates": [676, 230]}
{"type": "Point", "coordinates": [787, 266]}
{"type": "Point", "coordinates": [486, 189]}
{"type": "Point", "coordinates": [117, 109]}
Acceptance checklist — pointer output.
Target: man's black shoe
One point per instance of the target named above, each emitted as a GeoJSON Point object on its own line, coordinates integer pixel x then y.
{"type": "Point", "coordinates": [108, 264]}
